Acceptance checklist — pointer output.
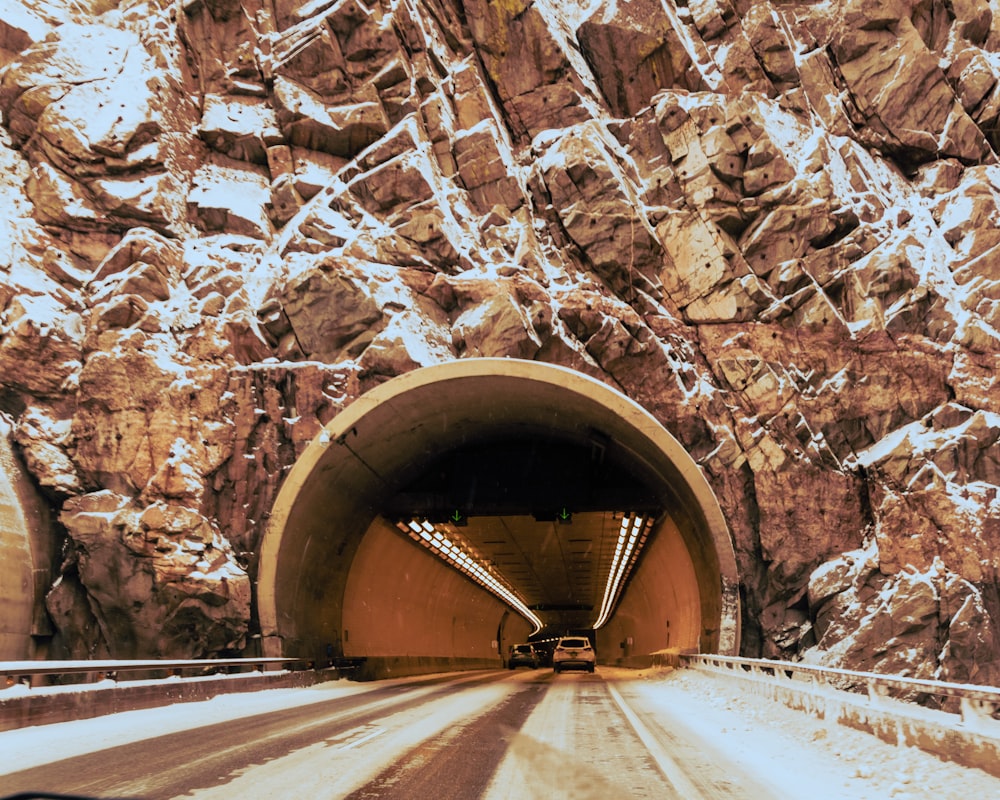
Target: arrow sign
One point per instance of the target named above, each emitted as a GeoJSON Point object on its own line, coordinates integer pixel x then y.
{"type": "Point", "coordinates": [564, 514]}
{"type": "Point", "coordinates": [456, 517]}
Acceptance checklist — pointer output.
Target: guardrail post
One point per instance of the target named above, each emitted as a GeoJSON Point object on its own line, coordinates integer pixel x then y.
{"type": "Point", "coordinates": [977, 714]}
{"type": "Point", "coordinates": [877, 693]}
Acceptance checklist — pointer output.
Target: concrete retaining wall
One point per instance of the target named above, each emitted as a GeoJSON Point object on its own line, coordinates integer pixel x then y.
{"type": "Point", "coordinates": [44, 706]}
{"type": "Point", "coordinates": [380, 667]}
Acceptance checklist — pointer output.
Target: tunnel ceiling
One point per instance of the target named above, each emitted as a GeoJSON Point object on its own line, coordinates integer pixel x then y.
{"type": "Point", "coordinates": [538, 475]}
{"type": "Point", "coordinates": [542, 511]}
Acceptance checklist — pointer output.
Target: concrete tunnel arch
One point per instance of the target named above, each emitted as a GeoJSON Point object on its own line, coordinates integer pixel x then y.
{"type": "Point", "coordinates": [325, 540]}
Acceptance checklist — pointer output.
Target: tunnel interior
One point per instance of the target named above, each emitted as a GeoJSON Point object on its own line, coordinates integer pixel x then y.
{"type": "Point", "coordinates": [530, 471]}
{"type": "Point", "coordinates": [543, 511]}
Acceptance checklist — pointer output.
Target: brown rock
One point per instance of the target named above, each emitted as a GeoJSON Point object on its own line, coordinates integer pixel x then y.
{"type": "Point", "coordinates": [903, 95]}
{"type": "Point", "coordinates": [634, 52]}
{"type": "Point", "coordinates": [969, 656]}
{"type": "Point", "coordinates": [183, 594]}
{"type": "Point", "coordinates": [598, 213]}
{"type": "Point", "coordinates": [711, 17]}
{"type": "Point", "coordinates": [330, 311]}
{"type": "Point", "coordinates": [120, 311]}
{"type": "Point", "coordinates": [483, 170]}
{"type": "Point", "coordinates": [496, 328]}
{"type": "Point", "coordinates": [144, 246]}
{"type": "Point", "coordinates": [395, 183]}
{"type": "Point", "coordinates": [532, 74]}
{"type": "Point", "coordinates": [307, 121]}
{"type": "Point", "coordinates": [764, 30]}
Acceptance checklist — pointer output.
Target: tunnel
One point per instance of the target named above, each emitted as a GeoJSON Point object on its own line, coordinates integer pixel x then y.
{"type": "Point", "coordinates": [460, 508]}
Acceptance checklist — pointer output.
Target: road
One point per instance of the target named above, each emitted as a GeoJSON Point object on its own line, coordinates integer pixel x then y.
{"type": "Point", "coordinates": [492, 735]}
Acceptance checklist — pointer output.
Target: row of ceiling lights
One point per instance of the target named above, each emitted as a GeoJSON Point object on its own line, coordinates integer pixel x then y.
{"type": "Point", "coordinates": [464, 558]}
{"type": "Point", "coordinates": [631, 536]}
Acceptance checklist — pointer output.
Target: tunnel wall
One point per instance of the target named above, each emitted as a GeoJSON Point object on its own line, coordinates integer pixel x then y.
{"type": "Point", "coordinates": [374, 446]}
{"type": "Point", "coordinates": [662, 590]}
{"type": "Point", "coordinates": [406, 612]}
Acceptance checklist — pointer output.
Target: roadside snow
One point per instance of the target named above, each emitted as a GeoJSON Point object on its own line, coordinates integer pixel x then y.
{"type": "Point", "coordinates": [25, 748]}
{"type": "Point", "coordinates": [794, 753]}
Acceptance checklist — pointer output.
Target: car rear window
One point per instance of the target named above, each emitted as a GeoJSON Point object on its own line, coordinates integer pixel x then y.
{"type": "Point", "coordinates": [577, 643]}
{"type": "Point", "coordinates": [522, 648]}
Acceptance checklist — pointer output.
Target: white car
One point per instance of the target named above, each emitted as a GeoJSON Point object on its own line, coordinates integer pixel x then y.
{"type": "Point", "coordinates": [573, 652]}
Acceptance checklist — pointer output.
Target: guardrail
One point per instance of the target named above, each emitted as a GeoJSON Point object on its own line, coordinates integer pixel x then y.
{"type": "Point", "coordinates": [955, 721]}
{"type": "Point", "coordinates": [976, 704]}
{"type": "Point", "coordinates": [17, 671]}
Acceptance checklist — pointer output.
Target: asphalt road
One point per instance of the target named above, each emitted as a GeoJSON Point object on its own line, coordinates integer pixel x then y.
{"type": "Point", "coordinates": [489, 735]}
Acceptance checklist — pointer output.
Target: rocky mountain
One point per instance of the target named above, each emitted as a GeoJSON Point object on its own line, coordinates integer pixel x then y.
{"type": "Point", "coordinates": [772, 224]}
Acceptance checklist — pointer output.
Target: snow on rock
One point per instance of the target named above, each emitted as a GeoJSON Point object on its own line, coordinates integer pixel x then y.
{"type": "Point", "coordinates": [929, 624]}
{"type": "Point", "coordinates": [103, 119]}
{"type": "Point", "coordinates": [239, 127]}
{"type": "Point", "coordinates": [773, 227]}
{"type": "Point", "coordinates": [44, 439]}
{"type": "Point", "coordinates": [162, 579]}
{"type": "Point", "coordinates": [231, 198]}
{"type": "Point", "coordinates": [40, 348]}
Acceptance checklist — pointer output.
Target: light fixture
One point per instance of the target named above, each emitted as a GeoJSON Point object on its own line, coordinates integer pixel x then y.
{"type": "Point", "coordinates": [633, 527]}
{"type": "Point", "coordinates": [461, 556]}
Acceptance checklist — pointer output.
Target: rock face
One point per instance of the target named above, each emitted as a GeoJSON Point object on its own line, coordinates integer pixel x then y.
{"type": "Point", "coordinates": [774, 225]}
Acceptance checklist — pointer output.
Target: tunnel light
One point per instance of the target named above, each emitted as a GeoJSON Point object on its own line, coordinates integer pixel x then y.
{"type": "Point", "coordinates": [630, 534]}
{"type": "Point", "coordinates": [466, 560]}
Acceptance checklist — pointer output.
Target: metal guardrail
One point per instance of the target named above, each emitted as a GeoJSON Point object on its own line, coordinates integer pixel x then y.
{"type": "Point", "coordinates": [976, 703]}
{"type": "Point", "coordinates": [15, 671]}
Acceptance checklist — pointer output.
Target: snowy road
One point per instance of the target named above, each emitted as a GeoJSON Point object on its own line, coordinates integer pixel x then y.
{"type": "Point", "coordinates": [492, 735]}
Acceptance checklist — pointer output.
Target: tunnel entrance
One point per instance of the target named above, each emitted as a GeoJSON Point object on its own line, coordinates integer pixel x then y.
{"type": "Point", "coordinates": [531, 471]}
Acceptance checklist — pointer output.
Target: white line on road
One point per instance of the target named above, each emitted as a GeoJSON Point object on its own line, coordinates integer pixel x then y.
{"type": "Point", "coordinates": [667, 765]}
{"type": "Point", "coordinates": [362, 740]}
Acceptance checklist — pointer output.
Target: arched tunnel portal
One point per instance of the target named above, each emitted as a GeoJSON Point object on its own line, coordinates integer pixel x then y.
{"type": "Point", "coordinates": [535, 477]}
